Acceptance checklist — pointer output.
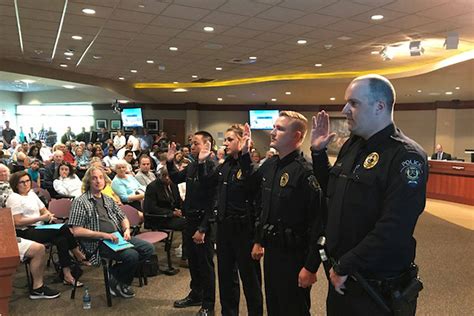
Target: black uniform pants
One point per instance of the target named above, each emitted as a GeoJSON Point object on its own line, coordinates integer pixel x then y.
{"type": "Point", "coordinates": [284, 296]}
{"type": "Point", "coordinates": [201, 266]}
{"type": "Point", "coordinates": [234, 247]}
{"type": "Point", "coordinates": [356, 301]}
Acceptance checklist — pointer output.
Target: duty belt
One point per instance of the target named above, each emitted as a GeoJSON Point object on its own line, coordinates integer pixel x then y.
{"type": "Point", "coordinates": [283, 237]}
{"type": "Point", "coordinates": [194, 214]}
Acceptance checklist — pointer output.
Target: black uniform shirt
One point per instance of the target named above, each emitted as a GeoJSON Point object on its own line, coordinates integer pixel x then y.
{"type": "Point", "coordinates": [376, 191]}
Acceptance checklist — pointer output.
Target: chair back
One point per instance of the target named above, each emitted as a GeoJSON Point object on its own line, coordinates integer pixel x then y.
{"type": "Point", "coordinates": [60, 208]}
{"type": "Point", "coordinates": [131, 213]}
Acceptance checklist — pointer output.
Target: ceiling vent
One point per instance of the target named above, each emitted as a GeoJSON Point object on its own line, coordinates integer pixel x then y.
{"type": "Point", "coordinates": [241, 61]}
{"type": "Point", "coordinates": [202, 80]}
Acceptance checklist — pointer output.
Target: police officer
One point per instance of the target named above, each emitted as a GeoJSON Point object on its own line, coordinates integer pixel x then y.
{"type": "Point", "coordinates": [289, 220]}
{"type": "Point", "coordinates": [197, 209]}
{"type": "Point", "coordinates": [376, 191]}
{"type": "Point", "coordinates": [235, 223]}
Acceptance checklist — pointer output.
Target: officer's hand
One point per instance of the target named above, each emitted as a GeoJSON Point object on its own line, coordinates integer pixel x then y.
{"type": "Point", "coordinates": [337, 281]}
{"type": "Point", "coordinates": [171, 151]}
{"type": "Point", "coordinates": [205, 151]}
{"type": "Point", "coordinates": [246, 139]}
{"type": "Point", "coordinates": [320, 136]}
{"type": "Point", "coordinates": [306, 278]}
{"type": "Point", "coordinates": [198, 237]}
{"type": "Point", "coordinates": [257, 252]}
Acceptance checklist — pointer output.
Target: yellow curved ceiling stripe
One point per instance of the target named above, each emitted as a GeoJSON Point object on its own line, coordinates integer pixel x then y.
{"type": "Point", "coordinates": [412, 69]}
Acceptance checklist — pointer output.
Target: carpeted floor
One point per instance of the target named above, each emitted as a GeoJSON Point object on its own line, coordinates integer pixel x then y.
{"type": "Point", "coordinates": [445, 256]}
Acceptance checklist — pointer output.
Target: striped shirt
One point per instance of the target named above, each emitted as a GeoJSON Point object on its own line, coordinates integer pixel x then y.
{"type": "Point", "coordinates": [84, 213]}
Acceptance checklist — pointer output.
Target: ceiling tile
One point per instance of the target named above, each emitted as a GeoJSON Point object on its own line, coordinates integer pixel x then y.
{"type": "Point", "coordinates": [42, 25]}
{"type": "Point", "coordinates": [439, 26]}
{"type": "Point", "coordinates": [104, 3]}
{"type": "Point", "coordinates": [388, 15]}
{"type": "Point", "coordinates": [220, 39]}
{"type": "Point", "coordinates": [260, 24]}
{"type": "Point", "coordinates": [377, 30]}
{"type": "Point", "coordinates": [448, 10]}
{"type": "Point", "coordinates": [7, 11]}
{"type": "Point", "coordinates": [83, 20]}
{"type": "Point", "coordinates": [305, 5]}
{"type": "Point", "coordinates": [154, 7]}
{"type": "Point", "coordinates": [347, 26]}
{"type": "Point", "coordinates": [409, 21]}
{"type": "Point", "coordinates": [321, 34]}
{"type": "Point", "coordinates": [132, 16]}
{"type": "Point", "coordinates": [204, 4]}
{"type": "Point", "coordinates": [272, 37]}
{"type": "Point", "coordinates": [100, 11]}
{"type": "Point", "coordinates": [316, 20]}
{"type": "Point", "coordinates": [177, 11]}
{"type": "Point", "coordinates": [172, 22]}
{"type": "Point", "coordinates": [414, 6]}
{"type": "Point", "coordinates": [157, 30]}
{"type": "Point", "coordinates": [292, 29]}
{"type": "Point", "coordinates": [117, 34]}
{"type": "Point", "coordinates": [241, 32]}
{"type": "Point", "coordinates": [253, 44]}
{"type": "Point", "coordinates": [224, 18]}
{"type": "Point", "coordinates": [281, 14]}
{"type": "Point", "coordinates": [41, 15]}
{"type": "Point", "coordinates": [80, 30]}
{"type": "Point", "coordinates": [252, 8]}
{"type": "Point", "coordinates": [344, 9]}
{"type": "Point", "coordinates": [199, 27]}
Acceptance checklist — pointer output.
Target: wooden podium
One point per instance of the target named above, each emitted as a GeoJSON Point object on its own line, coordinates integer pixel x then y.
{"type": "Point", "coordinates": [9, 258]}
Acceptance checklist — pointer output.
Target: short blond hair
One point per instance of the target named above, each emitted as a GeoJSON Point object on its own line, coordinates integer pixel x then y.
{"type": "Point", "coordinates": [298, 121]}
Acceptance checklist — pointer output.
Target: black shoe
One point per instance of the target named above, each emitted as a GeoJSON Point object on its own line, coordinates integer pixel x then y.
{"type": "Point", "coordinates": [124, 291]}
{"type": "Point", "coordinates": [205, 312]}
{"type": "Point", "coordinates": [187, 302]}
{"type": "Point", "coordinates": [44, 292]}
{"type": "Point", "coordinates": [127, 289]}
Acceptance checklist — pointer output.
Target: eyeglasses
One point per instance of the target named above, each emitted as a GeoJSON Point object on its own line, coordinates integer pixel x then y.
{"type": "Point", "coordinates": [24, 182]}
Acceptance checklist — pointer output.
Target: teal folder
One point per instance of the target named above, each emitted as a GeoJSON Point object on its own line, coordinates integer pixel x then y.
{"type": "Point", "coordinates": [49, 226]}
{"type": "Point", "coordinates": [120, 245]}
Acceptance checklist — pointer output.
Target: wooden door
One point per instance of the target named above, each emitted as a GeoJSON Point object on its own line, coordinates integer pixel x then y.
{"type": "Point", "coordinates": [175, 129]}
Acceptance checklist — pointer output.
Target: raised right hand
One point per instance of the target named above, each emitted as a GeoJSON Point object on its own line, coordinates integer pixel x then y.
{"type": "Point", "coordinates": [320, 136]}
{"type": "Point", "coordinates": [171, 151]}
{"type": "Point", "coordinates": [205, 151]}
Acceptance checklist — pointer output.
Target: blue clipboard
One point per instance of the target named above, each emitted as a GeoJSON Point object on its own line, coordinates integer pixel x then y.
{"type": "Point", "coordinates": [49, 226]}
{"type": "Point", "coordinates": [120, 245]}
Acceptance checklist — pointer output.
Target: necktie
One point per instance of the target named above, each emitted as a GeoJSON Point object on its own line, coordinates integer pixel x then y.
{"type": "Point", "coordinates": [440, 155]}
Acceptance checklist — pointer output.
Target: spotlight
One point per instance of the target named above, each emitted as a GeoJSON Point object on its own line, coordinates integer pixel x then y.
{"type": "Point", "coordinates": [452, 40]}
{"type": "Point", "coordinates": [416, 49]}
{"type": "Point", "coordinates": [386, 53]}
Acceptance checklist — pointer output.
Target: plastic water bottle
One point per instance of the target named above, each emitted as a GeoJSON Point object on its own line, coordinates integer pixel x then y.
{"type": "Point", "coordinates": [86, 299]}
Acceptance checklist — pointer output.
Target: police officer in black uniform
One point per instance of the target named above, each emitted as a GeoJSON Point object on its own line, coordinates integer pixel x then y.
{"type": "Point", "coordinates": [376, 191]}
{"type": "Point", "coordinates": [235, 223]}
{"type": "Point", "coordinates": [198, 209]}
{"type": "Point", "coordinates": [290, 218]}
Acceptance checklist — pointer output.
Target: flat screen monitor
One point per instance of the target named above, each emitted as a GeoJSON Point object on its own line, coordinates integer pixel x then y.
{"type": "Point", "coordinates": [263, 119]}
{"type": "Point", "coordinates": [132, 117]}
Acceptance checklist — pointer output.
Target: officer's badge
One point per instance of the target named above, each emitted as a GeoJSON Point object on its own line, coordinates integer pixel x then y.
{"type": "Point", "coordinates": [284, 179]}
{"type": "Point", "coordinates": [412, 171]}
{"type": "Point", "coordinates": [371, 160]}
{"type": "Point", "coordinates": [313, 183]}
{"type": "Point", "coordinates": [239, 174]}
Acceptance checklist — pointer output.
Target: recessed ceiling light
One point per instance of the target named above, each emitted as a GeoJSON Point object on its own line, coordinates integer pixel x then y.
{"type": "Point", "coordinates": [376, 17]}
{"type": "Point", "coordinates": [88, 11]}
{"type": "Point", "coordinates": [180, 90]}
{"type": "Point", "coordinates": [76, 37]}
{"type": "Point", "coordinates": [27, 81]}
{"type": "Point", "coordinates": [288, 93]}
{"type": "Point", "coordinates": [457, 88]}
{"type": "Point", "coordinates": [141, 6]}
{"type": "Point", "coordinates": [68, 58]}
{"type": "Point", "coordinates": [301, 42]}
{"type": "Point", "coordinates": [175, 82]}
{"type": "Point", "coordinates": [332, 98]}
{"type": "Point", "coordinates": [318, 65]}
{"type": "Point", "coordinates": [374, 52]}
{"type": "Point", "coordinates": [121, 78]}
{"type": "Point", "coordinates": [419, 91]}
{"type": "Point", "coordinates": [219, 99]}
{"type": "Point", "coordinates": [252, 57]}
{"type": "Point", "coordinates": [218, 68]}
{"type": "Point", "coordinates": [69, 53]}
{"type": "Point", "coordinates": [122, 101]}
{"type": "Point", "coordinates": [208, 29]}
{"type": "Point", "coordinates": [150, 61]}
{"type": "Point", "coordinates": [97, 57]}
{"type": "Point", "coordinates": [134, 71]}
{"type": "Point", "coordinates": [68, 86]}
{"type": "Point", "coordinates": [274, 100]}
{"type": "Point", "coordinates": [63, 65]}
{"type": "Point", "coordinates": [448, 92]}
{"type": "Point", "coordinates": [344, 38]}
{"type": "Point", "coordinates": [173, 49]}
{"type": "Point", "coordinates": [162, 67]}
{"type": "Point", "coordinates": [194, 76]}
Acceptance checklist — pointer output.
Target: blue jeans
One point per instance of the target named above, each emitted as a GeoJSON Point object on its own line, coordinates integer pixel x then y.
{"type": "Point", "coordinates": [127, 260]}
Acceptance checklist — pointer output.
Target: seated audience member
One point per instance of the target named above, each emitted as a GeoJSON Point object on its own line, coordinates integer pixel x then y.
{"type": "Point", "coordinates": [44, 151]}
{"type": "Point", "coordinates": [50, 171]}
{"type": "Point", "coordinates": [269, 154]}
{"type": "Point", "coordinates": [82, 162]}
{"type": "Point", "coordinates": [21, 162]}
{"type": "Point", "coordinates": [255, 156]}
{"type": "Point", "coordinates": [110, 160]}
{"type": "Point", "coordinates": [108, 183]}
{"type": "Point", "coordinates": [98, 161]}
{"type": "Point", "coordinates": [68, 157]}
{"type": "Point", "coordinates": [119, 140]}
{"type": "Point", "coordinates": [107, 218]}
{"type": "Point", "coordinates": [162, 198]}
{"type": "Point", "coordinates": [121, 153]}
{"type": "Point", "coordinates": [13, 146]}
{"type": "Point", "coordinates": [34, 153]}
{"type": "Point", "coordinates": [131, 162]}
{"type": "Point", "coordinates": [127, 187]}
{"type": "Point", "coordinates": [66, 182]}
{"type": "Point", "coordinates": [220, 156]}
{"type": "Point", "coordinates": [97, 152]}
{"type": "Point", "coordinates": [133, 138]}
{"type": "Point", "coordinates": [439, 154]}
{"type": "Point", "coordinates": [28, 249]}
{"type": "Point", "coordinates": [28, 211]}
{"type": "Point", "coordinates": [144, 176]}
{"type": "Point", "coordinates": [33, 171]}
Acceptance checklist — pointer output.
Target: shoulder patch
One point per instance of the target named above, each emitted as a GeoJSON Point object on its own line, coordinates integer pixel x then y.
{"type": "Point", "coordinates": [411, 171]}
{"type": "Point", "coordinates": [313, 183]}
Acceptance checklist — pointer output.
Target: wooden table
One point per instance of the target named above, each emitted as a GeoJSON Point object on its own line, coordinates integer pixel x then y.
{"type": "Point", "coordinates": [451, 181]}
